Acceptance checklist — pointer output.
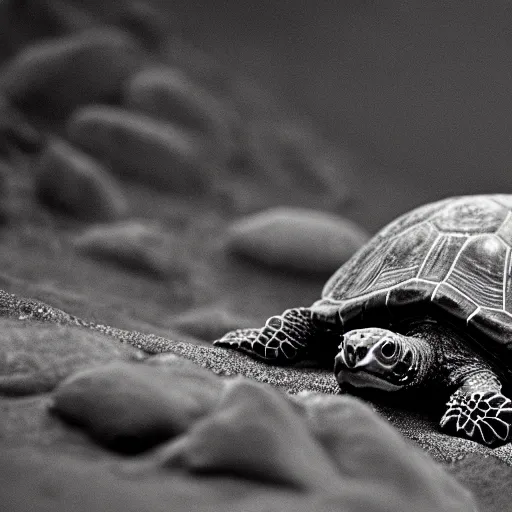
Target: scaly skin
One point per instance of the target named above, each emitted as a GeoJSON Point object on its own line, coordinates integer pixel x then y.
{"type": "Point", "coordinates": [431, 356]}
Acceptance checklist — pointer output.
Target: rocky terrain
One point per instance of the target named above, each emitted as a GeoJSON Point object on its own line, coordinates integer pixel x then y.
{"type": "Point", "coordinates": [153, 199]}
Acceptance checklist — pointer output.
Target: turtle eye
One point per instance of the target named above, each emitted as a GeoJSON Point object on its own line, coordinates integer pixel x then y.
{"type": "Point", "coordinates": [388, 350]}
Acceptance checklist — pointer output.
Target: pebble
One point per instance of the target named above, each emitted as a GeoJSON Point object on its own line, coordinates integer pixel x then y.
{"type": "Point", "coordinates": [34, 358]}
{"type": "Point", "coordinates": [136, 245]}
{"type": "Point", "coordinates": [294, 380]}
{"type": "Point", "coordinates": [72, 181]}
{"type": "Point", "coordinates": [141, 148]}
{"type": "Point", "coordinates": [254, 433]}
{"type": "Point", "coordinates": [132, 407]}
{"type": "Point", "coordinates": [58, 75]}
{"type": "Point", "coordinates": [61, 480]}
{"type": "Point", "coordinates": [296, 239]}
{"type": "Point", "coordinates": [335, 447]}
{"type": "Point", "coordinates": [169, 94]}
{"type": "Point", "coordinates": [367, 449]}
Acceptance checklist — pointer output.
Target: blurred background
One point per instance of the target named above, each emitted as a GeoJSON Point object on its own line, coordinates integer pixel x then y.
{"type": "Point", "coordinates": [418, 91]}
{"type": "Point", "coordinates": [163, 135]}
{"type": "Point", "coordinates": [185, 168]}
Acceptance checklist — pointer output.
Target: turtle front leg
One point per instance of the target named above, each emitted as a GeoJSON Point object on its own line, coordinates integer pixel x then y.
{"type": "Point", "coordinates": [284, 339]}
{"type": "Point", "coordinates": [479, 411]}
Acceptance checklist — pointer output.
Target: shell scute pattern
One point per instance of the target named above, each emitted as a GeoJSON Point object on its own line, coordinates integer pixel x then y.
{"type": "Point", "coordinates": [409, 300]}
{"type": "Point", "coordinates": [403, 258]}
{"type": "Point", "coordinates": [450, 258]}
{"type": "Point", "coordinates": [451, 301]}
{"type": "Point", "coordinates": [503, 199]}
{"type": "Point", "coordinates": [488, 324]}
{"type": "Point", "coordinates": [504, 232]}
{"type": "Point", "coordinates": [393, 261]}
{"type": "Point", "coordinates": [465, 215]}
{"type": "Point", "coordinates": [478, 270]}
{"type": "Point", "coordinates": [344, 277]}
{"type": "Point", "coordinates": [443, 251]}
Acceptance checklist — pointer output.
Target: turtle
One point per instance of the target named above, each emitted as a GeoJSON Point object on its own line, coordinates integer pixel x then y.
{"type": "Point", "coordinates": [424, 308]}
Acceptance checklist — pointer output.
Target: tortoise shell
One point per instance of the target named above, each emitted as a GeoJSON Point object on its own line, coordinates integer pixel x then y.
{"type": "Point", "coordinates": [449, 259]}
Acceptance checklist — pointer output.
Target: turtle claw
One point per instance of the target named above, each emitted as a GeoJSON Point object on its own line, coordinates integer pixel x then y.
{"type": "Point", "coordinates": [481, 416]}
{"type": "Point", "coordinates": [283, 339]}
{"type": "Point", "coordinates": [246, 340]}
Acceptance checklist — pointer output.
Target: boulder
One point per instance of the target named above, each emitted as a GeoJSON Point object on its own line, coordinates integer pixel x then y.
{"type": "Point", "coordinates": [296, 239]}
{"type": "Point", "coordinates": [72, 181]}
{"type": "Point", "coordinates": [56, 76]}
{"type": "Point", "coordinates": [135, 245]}
{"type": "Point", "coordinates": [132, 407]}
{"type": "Point", "coordinates": [169, 94]}
{"type": "Point", "coordinates": [142, 149]}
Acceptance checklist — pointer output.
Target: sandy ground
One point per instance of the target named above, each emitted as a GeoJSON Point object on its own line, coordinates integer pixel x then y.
{"type": "Point", "coordinates": [107, 222]}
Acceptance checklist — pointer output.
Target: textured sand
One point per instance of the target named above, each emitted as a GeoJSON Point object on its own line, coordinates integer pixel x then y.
{"type": "Point", "coordinates": [296, 381]}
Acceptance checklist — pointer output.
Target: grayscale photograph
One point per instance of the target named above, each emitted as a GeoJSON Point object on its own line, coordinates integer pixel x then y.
{"type": "Point", "coordinates": [255, 256]}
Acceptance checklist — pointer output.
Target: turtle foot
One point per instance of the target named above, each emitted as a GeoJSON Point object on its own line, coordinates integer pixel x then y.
{"type": "Point", "coordinates": [481, 416]}
{"type": "Point", "coordinates": [283, 339]}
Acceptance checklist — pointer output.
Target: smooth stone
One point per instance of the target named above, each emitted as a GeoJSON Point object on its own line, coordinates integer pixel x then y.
{"type": "Point", "coordinates": [169, 94]}
{"type": "Point", "coordinates": [132, 407]}
{"type": "Point", "coordinates": [368, 450]}
{"type": "Point", "coordinates": [254, 433]}
{"type": "Point", "coordinates": [209, 322]}
{"type": "Point", "coordinates": [72, 181]}
{"type": "Point", "coordinates": [34, 357]}
{"type": "Point", "coordinates": [43, 479]}
{"type": "Point", "coordinates": [296, 239]}
{"type": "Point", "coordinates": [59, 74]}
{"type": "Point", "coordinates": [141, 148]}
{"type": "Point", "coordinates": [135, 245]}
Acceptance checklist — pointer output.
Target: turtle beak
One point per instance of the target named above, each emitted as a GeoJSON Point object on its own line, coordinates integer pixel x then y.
{"type": "Point", "coordinates": [370, 359]}
{"type": "Point", "coordinates": [359, 351]}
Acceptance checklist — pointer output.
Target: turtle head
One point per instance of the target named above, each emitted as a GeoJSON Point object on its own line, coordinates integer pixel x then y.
{"type": "Point", "coordinates": [378, 359]}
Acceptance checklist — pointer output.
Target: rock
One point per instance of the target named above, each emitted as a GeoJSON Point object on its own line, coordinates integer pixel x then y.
{"type": "Point", "coordinates": [169, 94]}
{"type": "Point", "coordinates": [209, 322]}
{"type": "Point", "coordinates": [62, 73]}
{"type": "Point", "coordinates": [137, 245]}
{"type": "Point", "coordinates": [141, 148]}
{"type": "Point", "coordinates": [132, 407]}
{"type": "Point", "coordinates": [254, 433]}
{"type": "Point", "coordinates": [296, 239]}
{"type": "Point", "coordinates": [34, 358]}
{"type": "Point", "coordinates": [76, 183]}
{"type": "Point", "coordinates": [45, 479]}
{"type": "Point", "coordinates": [368, 450]}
